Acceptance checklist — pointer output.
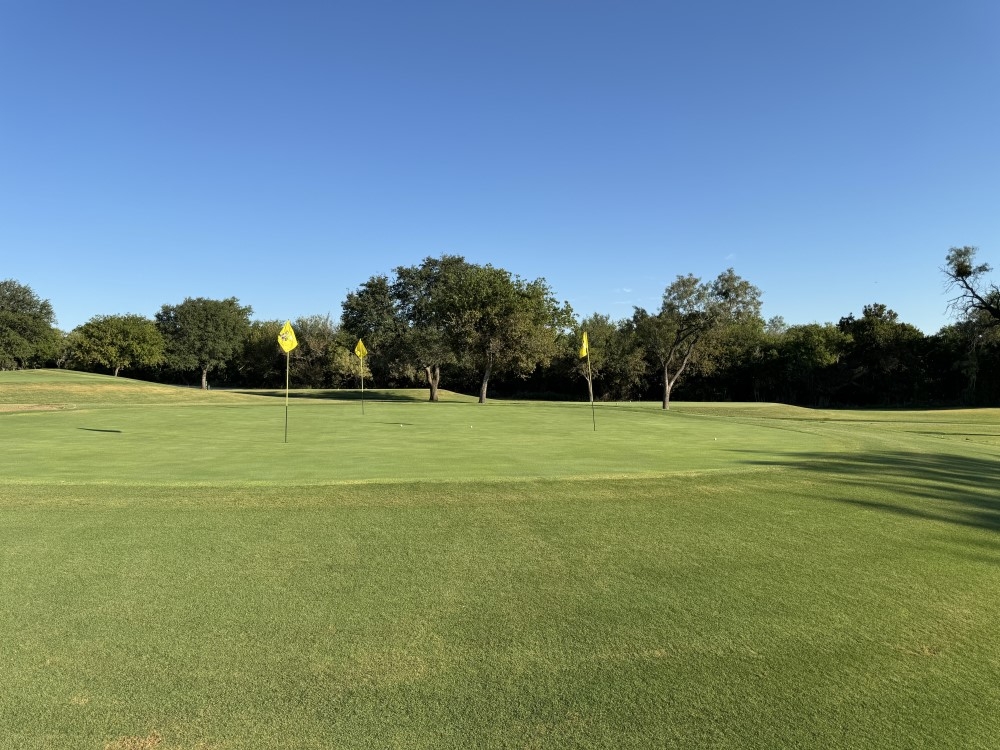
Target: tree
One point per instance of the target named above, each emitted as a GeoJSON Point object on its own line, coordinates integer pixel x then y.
{"type": "Point", "coordinates": [203, 333]}
{"type": "Point", "coordinates": [28, 336]}
{"type": "Point", "coordinates": [884, 357]}
{"type": "Point", "coordinates": [260, 362]}
{"type": "Point", "coordinates": [616, 362]}
{"type": "Point", "coordinates": [397, 322]}
{"type": "Point", "coordinates": [419, 292]}
{"type": "Point", "coordinates": [325, 356]}
{"type": "Point", "coordinates": [118, 342]}
{"type": "Point", "coordinates": [977, 298]}
{"type": "Point", "coordinates": [372, 313]}
{"type": "Point", "coordinates": [729, 360]}
{"type": "Point", "coordinates": [691, 312]}
{"type": "Point", "coordinates": [964, 359]}
{"type": "Point", "coordinates": [447, 311]}
{"type": "Point", "coordinates": [805, 367]}
{"type": "Point", "coordinates": [598, 329]}
{"type": "Point", "coordinates": [498, 323]}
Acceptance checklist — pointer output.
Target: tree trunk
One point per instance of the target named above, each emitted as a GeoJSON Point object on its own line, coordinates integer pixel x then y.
{"type": "Point", "coordinates": [116, 371]}
{"type": "Point", "coordinates": [482, 386]}
{"type": "Point", "coordinates": [204, 379]}
{"type": "Point", "coordinates": [433, 380]}
{"type": "Point", "coordinates": [668, 384]}
{"type": "Point", "coordinates": [590, 389]}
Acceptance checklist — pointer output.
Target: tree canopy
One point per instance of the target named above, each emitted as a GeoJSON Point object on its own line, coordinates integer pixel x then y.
{"type": "Point", "coordinates": [119, 342]}
{"type": "Point", "coordinates": [28, 336]}
{"type": "Point", "coordinates": [203, 333]}
{"type": "Point", "coordinates": [693, 311]}
{"type": "Point", "coordinates": [883, 355]}
{"type": "Point", "coordinates": [498, 323]}
{"type": "Point", "coordinates": [447, 311]}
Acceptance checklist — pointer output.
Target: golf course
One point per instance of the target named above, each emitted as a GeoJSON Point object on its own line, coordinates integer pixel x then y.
{"type": "Point", "coordinates": [178, 572]}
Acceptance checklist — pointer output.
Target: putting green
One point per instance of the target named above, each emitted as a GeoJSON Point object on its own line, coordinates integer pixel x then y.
{"type": "Point", "coordinates": [83, 429]}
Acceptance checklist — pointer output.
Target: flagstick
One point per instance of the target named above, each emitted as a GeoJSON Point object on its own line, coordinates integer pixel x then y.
{"type": "Point", "coordinates": [590, 383]}
{"type": "Point", "coordinates": [287, 357]}
{"type": "Point", "coordinates": [362, 384]}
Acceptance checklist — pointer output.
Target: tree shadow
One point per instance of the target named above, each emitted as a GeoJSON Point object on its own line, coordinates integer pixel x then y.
{"type": "Point", "coordinates": [949, 488]}
{"type": "Point", "coordinates": [341, 395]}
{"type": "Point", "coordinates": [937, 433]}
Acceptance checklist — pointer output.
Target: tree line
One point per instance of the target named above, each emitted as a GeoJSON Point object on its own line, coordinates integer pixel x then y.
{"type": "Point", "coordinates": [481, 329]}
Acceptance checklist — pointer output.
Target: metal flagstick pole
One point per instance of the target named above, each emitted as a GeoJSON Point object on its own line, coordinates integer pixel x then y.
{"type": "Point", "coordinates": [360, 352]}
{"type": "Point", "coordinates": [287, 342]}
{"type": "Point", "coordinates": [287, 357]}
{"type": "Point", "coordinates": [590, 379]}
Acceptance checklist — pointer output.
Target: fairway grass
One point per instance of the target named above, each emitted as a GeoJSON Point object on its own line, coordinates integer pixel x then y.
{"type": "Point", "coordinates": [454, 575]}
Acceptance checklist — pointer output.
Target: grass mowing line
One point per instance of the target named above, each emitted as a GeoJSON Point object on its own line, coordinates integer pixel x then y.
{"type": "Point", "coordinates": [580, 478]}
{"type": "Point", "coordinates": [19, 408]}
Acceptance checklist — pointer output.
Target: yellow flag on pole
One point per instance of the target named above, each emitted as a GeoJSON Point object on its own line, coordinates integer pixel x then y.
{"type": "Point", "coordinates": [286, 339]}
{"type": "Point", "coordinates": [585, 349]}
{"type": "Point", "coordinates": [360, 349]}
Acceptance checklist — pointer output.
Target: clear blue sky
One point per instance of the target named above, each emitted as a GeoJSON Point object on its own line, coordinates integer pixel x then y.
{"type": "Point", "coordinates": [284, 152]}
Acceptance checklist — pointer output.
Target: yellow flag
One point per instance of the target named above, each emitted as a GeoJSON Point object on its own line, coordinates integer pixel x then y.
{"type": "Point", "coordinates": [286, 339]}
{"type": "Point", "coordinates": [585, 349]}
{"type": "Point", "coordinates": [360, 349]}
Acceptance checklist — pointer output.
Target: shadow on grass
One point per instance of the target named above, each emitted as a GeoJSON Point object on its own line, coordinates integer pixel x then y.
{"type": "Point", "coordinates": [95, 429]}
{"type": "Point", "coordinates": [338, 395]}
{"type": "Point", "coordinates": [963, 490]}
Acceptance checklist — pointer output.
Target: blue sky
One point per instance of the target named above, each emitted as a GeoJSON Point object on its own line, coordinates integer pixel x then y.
{"type": "Point", "coordinates": [283, 153]}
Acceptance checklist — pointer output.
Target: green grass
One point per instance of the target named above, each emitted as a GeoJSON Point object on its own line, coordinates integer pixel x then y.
{"type": "Point", "coordinates": [174, 575]}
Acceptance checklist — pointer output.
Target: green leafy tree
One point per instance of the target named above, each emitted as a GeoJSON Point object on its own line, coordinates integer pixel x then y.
{"type": "Point", "coordinates": [617, 365]}
{"type": "Point", "coordinates": [399, 324]}
{"type": "Point", "coordinates": [66, 351]}
{"type": "Point", "coordinates": [203, 334]}
{"type": "Point", "coordinates": [808, 355]}
{"type": "Point", "coordinates": [260, 363]}
{"type": "Point", "coordinates": [372, 313]}
{"type": "Point", "coordinates": [322, 359]}
{"type": "Point", "coordinates": [794, 364]}
{"type": "Point", "coordinates": [693, 313]}
{"type": "Point", "coordinates": [449, 312]}
{"type": "Point", "coordinates": [884, 358]}
{"type": "Point", "coordinates": [965, 362]}
{"type": "Point", "coordinates": [425, 296]}
{"type": "Point", "coordinates": [118, 342]}
{"type": "Point", "coordinates": [729, 358]}
{"type": "Point", "coordinates": [28, 336]}
{"type": "Point", "coordinates": [599, 329]}
{"type": "Point", "coordinates": [421, 293]}
{"type": "Point", "coordinates": [391, 315]}
{"type": "Point", "coordinates": [498, 323]}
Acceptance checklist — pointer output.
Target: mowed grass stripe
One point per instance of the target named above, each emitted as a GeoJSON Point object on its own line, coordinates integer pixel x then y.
{"type": "Point", "coordinates": [685, 611]}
